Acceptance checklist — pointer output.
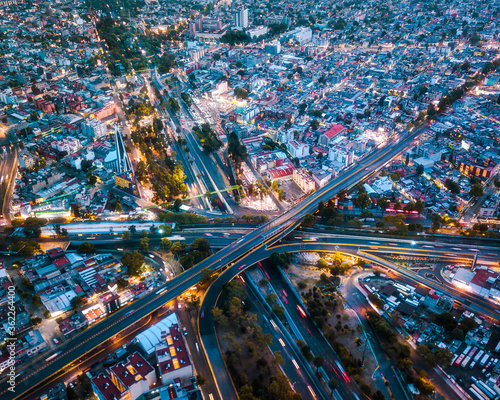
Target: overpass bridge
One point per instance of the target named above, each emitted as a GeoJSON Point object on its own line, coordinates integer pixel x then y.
{"type": "Point", "coordinates": [263, 236]}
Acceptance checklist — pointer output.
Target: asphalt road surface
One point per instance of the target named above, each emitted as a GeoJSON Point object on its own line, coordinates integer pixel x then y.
{"type": "Point", "coordinates": [269, 233]}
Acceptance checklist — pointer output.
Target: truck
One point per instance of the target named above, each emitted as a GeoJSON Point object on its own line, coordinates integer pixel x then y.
{"type": "Point", "coordinates": [484, 359]}
{"type": "Point", "coordinates": [465, 361]}
{"type": "Point", "coordinates": [459, 360]}
{"type": "Point", "coordinates": [476, 359]}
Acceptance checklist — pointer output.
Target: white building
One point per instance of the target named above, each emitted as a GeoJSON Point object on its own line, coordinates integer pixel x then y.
{"type": "Point", "coordinates": [285, 136]}
{"type": "Point", "coordinates": [152, 336]}
{"type": "Point", "coordinates": [35, 343]}
{"type": "Point", "coordinates": [341, 155]}
{"type": "Point", "coordinates": [94, 128]}
{"type": "Point", "coordinates": [172, 357]}
{"type": "Point", "coordinates": [7, 96]}
{"type": "Point", "coordinates": [68, 144]}
{"type": "Point", "coordinates": [321, 177]}
{"type": "Point", "coordinates": [300, 35]}
{"type": "Point", "coordinates": [258, 31]}
{"type": "Point", "coordinates": [57, 300]}
{"type": "Point", "coordinates": [298, 149]}
{"type": "Point", "coordinates": [303, 180]}
{"type": "Point", "coordinates": [134, 374]}
{"type": "Point", "coordinates": [273, 48]}
{"type": "Point", "coordinates": [240, 18]}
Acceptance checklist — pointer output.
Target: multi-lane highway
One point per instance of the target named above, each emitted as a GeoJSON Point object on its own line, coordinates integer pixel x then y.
{"type": "Point", "coordinates": [266, 233]}
{"type": "Point", "coordinates": [331, 244]}
{"type": "Point", "coordinates": [8, 171]}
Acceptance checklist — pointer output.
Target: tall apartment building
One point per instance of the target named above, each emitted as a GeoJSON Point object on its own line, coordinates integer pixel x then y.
{"type": "Point", "coordinates": [240, 18]}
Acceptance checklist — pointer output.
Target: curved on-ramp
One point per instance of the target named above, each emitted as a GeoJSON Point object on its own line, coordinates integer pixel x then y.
{"type": "Point", "coordinates": [207, 329]}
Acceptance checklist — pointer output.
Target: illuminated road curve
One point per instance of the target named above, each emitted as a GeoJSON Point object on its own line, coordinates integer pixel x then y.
{"type": "Point", "coordinates": [269, 232]}
{"type": "Point", "coordinates": [344, 245]}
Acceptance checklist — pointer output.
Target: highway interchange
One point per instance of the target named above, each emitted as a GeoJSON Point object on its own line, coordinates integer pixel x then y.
{"type": "Point", "coordinates": [118, 322]}
{"type": "Point", "coordinates": [245, 251]}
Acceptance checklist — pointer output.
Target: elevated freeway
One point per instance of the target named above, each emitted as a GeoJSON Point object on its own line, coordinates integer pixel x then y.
{"type": "Point", "coordinates": [359, 247]}
{"type": "Point", "coordinates": [264, 235]}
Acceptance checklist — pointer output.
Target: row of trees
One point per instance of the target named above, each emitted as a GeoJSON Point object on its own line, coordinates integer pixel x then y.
{"type": "Point", "coordinates": [192, 254]}
{"type": "Point", "coordinates": [31, 226]}
{"type": "Point", "coordinates": [237, 151]}
{"type": "Point", "coordinates": [389, 341]}
{"type": "Point", "coordinates": [165, 173]}
{"type": "Point", "coordinates": [208, 138]}
{"type": "Point", "coordinates": [254, 370]}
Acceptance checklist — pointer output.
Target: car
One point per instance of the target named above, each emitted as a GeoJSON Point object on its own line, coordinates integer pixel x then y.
{"type": "Point", "coordinates": [285, 293]}
{"type": "Point", "coordinates": [243, 266]}
{"type": "Point", "coordinates": [301, 311]}
{"type": "Point", "coordinates": [202, 315]}
{"type": "Point", "coordinates": [55, 341]}
{"type": "Point", "coordinates": [284, 299]}
{"type": "Point", "coordinates": [336, 247]}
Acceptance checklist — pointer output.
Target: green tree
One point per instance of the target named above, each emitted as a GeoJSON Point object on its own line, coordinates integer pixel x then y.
{"type": "Point", "coordinates": [26, 249]}
{"type": "Point", "coordinates": [271, 298]}
{"type": "Point", "coordinates": [425, 352]}
{"type": "Point", "coordinates": [476, 191]}
{"type": "Point", "coordinates": [177, 205]}
{"type": "Point", "coordinates": [306, 351]}
{"type": "Point", "coordinates": [86, 248]}
{"type": "Point", "coordinates": [241, 93]}
{"type": "Point", "coordinates": [363, 200]}
{"type": "Point", "coordinates": [76, 302]}
{"type": "Point", "coordinates": [383, 202]}
{"type": "Point", "coordinates": [91, 179]}
{"type": "Point", "coordinates": [134, 262]}
{"type": "Point", "coordinates": [395, 177]}
{"type": "Point", "coordinates": [200, 380]}
{"type": "Point", "coordinates": [419, 206]}
{"type": "Point", "coordinates": [452, 186]}
{"type": "Point", "coordinates": [206, 276]}
{"type": "Point", "coordinates": [309, 220]}
{"type": "Point", "coordinates": [314, 125]}
{"type": "Point", "coordinates": [443, 357]}
{"type": "Point", "coordinates": [279, 311]}
{"type": "Point", "coordinates": [333, 384]}
{"type": "Point", "coordinates": [166, 63]}
{"type": "Point", "coordinates": [318, 361]}
{"type": "Point", "coordinates": [355, 223]}
{"type": "Point", "coordinates": [165, 243]}
{"type": "Point", "coordinates": [85, 383]}
{"type": "Point", "coordinates": [174, 105]}
{"type": "Point", "coordinates": [376, 300]}
{"type": "Point", "coordinates": [144, 244]}
{"type": "Point", "coordinates": [185, 97]}
{"type": "Point", "coordinates": [126, 235]}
